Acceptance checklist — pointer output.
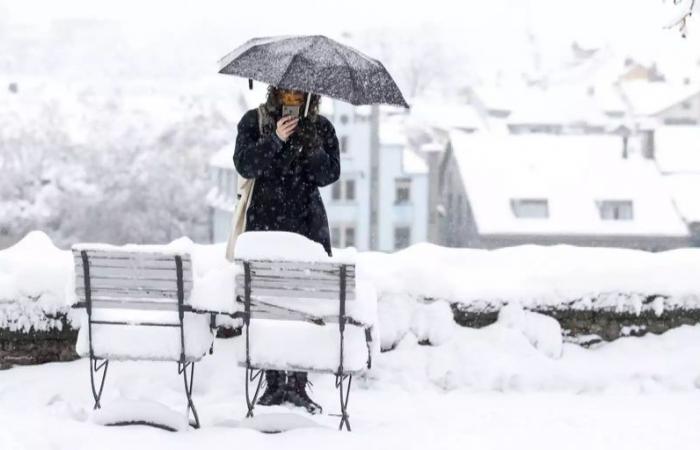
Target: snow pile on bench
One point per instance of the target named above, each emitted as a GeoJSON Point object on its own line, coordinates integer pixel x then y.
{"type": "Point", "coordinates": [306, 345]}
{"type": "Point", "coordinates": [124, 342]}
{"type": "Point", "coordinates": [122, 412]}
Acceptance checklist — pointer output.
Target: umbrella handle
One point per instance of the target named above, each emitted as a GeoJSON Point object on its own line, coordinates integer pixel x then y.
{"type": "Point", "coordinates": [308, 102]}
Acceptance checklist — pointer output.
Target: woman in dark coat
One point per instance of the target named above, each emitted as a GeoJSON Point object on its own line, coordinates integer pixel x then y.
{"type": "Point", "coordinates": [289, 158]}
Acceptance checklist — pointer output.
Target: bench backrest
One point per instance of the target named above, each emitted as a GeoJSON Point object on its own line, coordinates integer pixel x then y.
{"type": "Point", "coordinates": [277, 288]}
{"type": "Point", "coordinates": [129, 280]}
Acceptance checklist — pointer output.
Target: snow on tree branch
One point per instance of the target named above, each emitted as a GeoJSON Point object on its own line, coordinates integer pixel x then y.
{"type": "Point", "coordinates": [681, 10]}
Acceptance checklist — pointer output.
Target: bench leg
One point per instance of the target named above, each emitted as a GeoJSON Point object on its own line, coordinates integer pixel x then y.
{"type": "Point", "coordinates": [94, 370]}
{"type": "Point", "coordinates": [344, 391]}
{"type": "Point", "coordinates": [250, 376]}
{"type": "Point", "coordinates": [189, 383]}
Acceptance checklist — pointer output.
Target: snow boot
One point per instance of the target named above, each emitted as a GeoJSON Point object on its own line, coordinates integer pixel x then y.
{"type": "Point", "coordinates": [274, 392]}
{"type": "Point", "coordinates": [296, 392]}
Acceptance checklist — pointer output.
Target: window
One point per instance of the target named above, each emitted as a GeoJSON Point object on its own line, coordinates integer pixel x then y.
{"type": "Point", "coordinates": [343, 190]}
{"type": "Point", "coordinates": [335, 191]}
{"type": "Point", "coordinates": [335, 237]}
{"type": "Point", "coordinates": [350, 190]}
{"type": "Point", "coordinates": [350, 236]}
{"type": "Point", "coordinates": [343, 235]}
{"type": "Point", "coordinates": [403, 190]}
{"type": "Point", "coordinates": [343, 144]}
{"type": "Point", "coordinates": [458, 209]}
{"type": "Point", "coordinates": [530, 208]}
{"type": "Point", "coordinates": [344, 119]}
{"type": "Point", "coordinates": [615, 209]}
{"type": "Point", "coordinates": [402, 237]}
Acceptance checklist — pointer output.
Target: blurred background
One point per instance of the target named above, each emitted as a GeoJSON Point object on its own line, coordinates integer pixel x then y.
{"type": "Point", "coordinates": [531, 121]}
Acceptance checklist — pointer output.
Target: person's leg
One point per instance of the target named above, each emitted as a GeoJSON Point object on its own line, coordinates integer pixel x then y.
{"type": "Point", "coordinates": [296, 392]}
{"type": "Point", "coordinates": [275, 391]}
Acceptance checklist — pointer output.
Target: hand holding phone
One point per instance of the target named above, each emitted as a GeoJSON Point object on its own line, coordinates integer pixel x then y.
{"type": "Point", "coordinates": [286, 126]}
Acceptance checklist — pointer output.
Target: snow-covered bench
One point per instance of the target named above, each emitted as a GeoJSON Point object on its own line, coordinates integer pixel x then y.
{"type": "Point", "coordinates": [136, 309]}
{"type": "Point", "coordinates": [285, 279]}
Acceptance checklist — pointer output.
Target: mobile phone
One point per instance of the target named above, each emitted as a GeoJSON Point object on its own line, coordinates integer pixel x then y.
{"type": "Point", "coordinates": [291, 110]}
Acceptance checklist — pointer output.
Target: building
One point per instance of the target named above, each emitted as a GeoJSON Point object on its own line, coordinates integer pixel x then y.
{"type": "Point", "coordinates": [500, 190]}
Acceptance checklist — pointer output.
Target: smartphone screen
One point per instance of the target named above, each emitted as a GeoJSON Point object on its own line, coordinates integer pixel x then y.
{"type": "Point", "coordinates": [290, 110]}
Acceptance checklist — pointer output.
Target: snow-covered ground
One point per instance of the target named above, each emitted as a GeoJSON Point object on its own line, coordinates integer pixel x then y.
{"type": "Point", "coordinates": [483, 389]}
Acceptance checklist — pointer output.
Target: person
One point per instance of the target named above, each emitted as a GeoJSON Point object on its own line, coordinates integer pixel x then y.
{"type": "Point", "coordinates": [289, 158]}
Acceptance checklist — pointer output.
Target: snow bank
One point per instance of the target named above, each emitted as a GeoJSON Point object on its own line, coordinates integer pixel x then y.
{"type": "Point", "coordinates": [560, 275]}
{"type": "Point", "coordinates": [544, 333]}
{"type": "Point", "coordinates": [33, 275]}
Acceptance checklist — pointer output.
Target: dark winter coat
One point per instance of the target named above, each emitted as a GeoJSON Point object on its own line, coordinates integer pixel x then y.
{"type": "Point", "coordinates": [287, 176]}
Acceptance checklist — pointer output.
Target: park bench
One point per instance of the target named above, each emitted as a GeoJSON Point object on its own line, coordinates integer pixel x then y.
{"type": "Point", "coordinates": [316, 293]}
{"type": "Point", "coordinates": [136, 304]}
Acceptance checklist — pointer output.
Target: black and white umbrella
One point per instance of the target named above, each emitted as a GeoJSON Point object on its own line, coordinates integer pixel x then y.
{"type": "Point", "coordinates": [315, 64]}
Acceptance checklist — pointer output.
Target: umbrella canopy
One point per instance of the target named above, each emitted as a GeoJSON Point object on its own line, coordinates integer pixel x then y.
{"type": "Point", "coordinates": [314, 64]}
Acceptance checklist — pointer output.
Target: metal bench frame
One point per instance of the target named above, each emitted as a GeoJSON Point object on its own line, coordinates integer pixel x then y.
{"type": "Point", "coordinates": [343, 377]}
{"type": "Point", "coordinates": [98, 369]}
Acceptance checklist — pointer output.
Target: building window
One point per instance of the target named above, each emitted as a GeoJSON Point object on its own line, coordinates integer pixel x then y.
{"type": "Point", "coordinates": [530, 208]}
{"type": "Point", "coordinates": [402, 237]}
{"type": "Point", "coordinates": [343, 235]}
{"type": "Point", "coordinates": [350, 236]}
{"type": "Point", "coordinates": [403, 190]}
{"type": "Point", "coordinates": [343, 144]}
{"type": "Point", "coordinates": [344, 119]}
{"type": "Point", "coordinates": [350, 190]}
{"type": "Point", "coordinates": [335, 237]}
{"type": "Point", "coordinates": [458, 209]}
{"type": "Point", "coordinates": [615, 209]}
{"type": "Point", "coordinates": [343, 190]}
{"type": "Point", "coordinates": [335, 191]}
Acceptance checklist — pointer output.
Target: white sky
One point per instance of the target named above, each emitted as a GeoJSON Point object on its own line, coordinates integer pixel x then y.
{"type": "Point", "coordinates": [485, 29]}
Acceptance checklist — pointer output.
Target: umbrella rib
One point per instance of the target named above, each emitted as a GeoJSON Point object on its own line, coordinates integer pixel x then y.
{"type": "Point", "coordinates": [352, 73]}
{"type": "Point", "coordinates": [289, 66]}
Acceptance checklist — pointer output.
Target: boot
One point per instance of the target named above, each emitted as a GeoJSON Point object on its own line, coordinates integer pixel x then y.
{"type": "Point", "coordinates": [296, 392]}
{"type": "Point", "coordinates": [274, 391]}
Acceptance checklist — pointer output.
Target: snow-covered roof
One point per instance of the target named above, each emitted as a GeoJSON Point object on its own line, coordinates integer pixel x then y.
{"type": "Point", "coordinates": [412, 163]}
{"type": "Point", "coordinates": [649, 98]}
{"type": "Point", "coordinates": [572, 173]}
{"type": "Point", "coordinates": [553, 105]}
{"type": "Point", "coordinates": [445, 116]}
{"type": "Point", "coordinates": [677, 149]}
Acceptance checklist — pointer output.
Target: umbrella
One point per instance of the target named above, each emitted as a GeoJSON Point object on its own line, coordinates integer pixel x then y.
{"type": "Point", "coordinates": [314, 64]}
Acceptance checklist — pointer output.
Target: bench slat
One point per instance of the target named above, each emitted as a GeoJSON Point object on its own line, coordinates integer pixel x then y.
{"type": "Point", "coordinates": [294, 283]}
{"type": "Point", "coordinates": [113, 303]}
{"type": "Point", "coordinates": [129, 263]}
{"type": "Point", "coordinates": [127, 254]}
{"type": "Point", "coordinates": [130, 293]}
{"type": "Point", "coordinates": [294, 293]}
{"type": "Point", "coordinates": [134, 283]}
{"type": "Point", "coordinates": [321, 274]}
{"type": "Point", "coordinates": [299, 266]}
{"type": "Point", "coordinates": [130, 273]}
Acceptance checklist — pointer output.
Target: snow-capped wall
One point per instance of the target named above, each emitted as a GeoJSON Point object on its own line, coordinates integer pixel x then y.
{"type": "Point", "coordinates": [578, 286]}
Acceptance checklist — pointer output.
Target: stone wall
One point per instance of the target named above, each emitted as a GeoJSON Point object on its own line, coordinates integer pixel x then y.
{"type": "Point", "coordinates": [37, 347]}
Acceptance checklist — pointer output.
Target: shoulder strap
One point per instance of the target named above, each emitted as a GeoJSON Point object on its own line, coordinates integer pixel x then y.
{"type": "Point", "coordinates": [260, 120]}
